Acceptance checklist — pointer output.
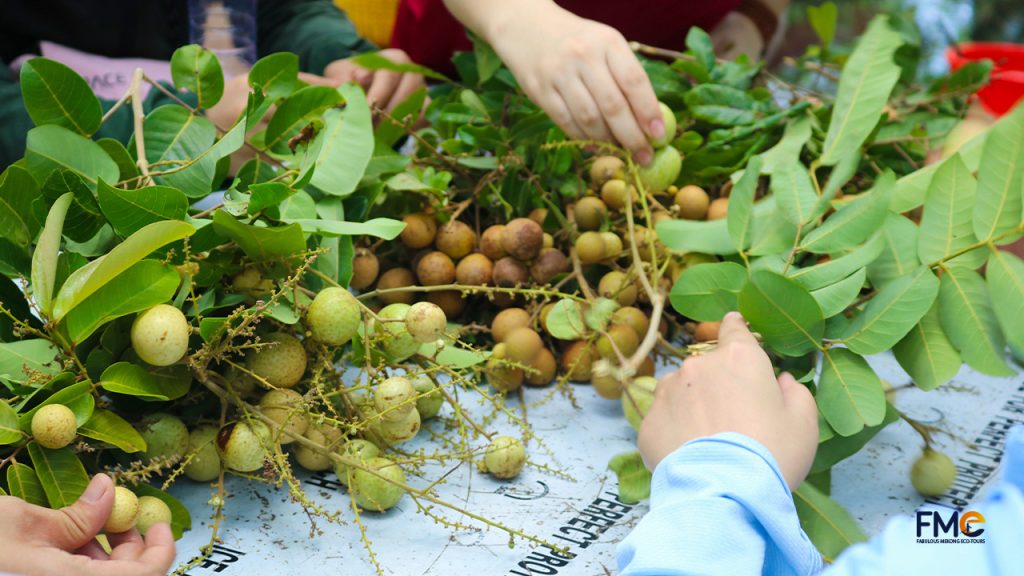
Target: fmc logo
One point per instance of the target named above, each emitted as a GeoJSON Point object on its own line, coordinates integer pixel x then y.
{"type": "Point", "coordinates": [950, 530]}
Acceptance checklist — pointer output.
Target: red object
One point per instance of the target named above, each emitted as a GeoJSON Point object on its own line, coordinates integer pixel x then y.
{"type": "Point", "coordinates": [1006, 87]}
{"type": "Point", "coordinates": [430, 35]}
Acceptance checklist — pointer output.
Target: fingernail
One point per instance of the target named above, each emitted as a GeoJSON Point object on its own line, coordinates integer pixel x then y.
{"type": "Point", "coordinates": [657, 128]}
{"type": "Point", "coordinates": [97, 487]}
{"type": "Point", "coordinates": [643, 157]}
{"type": "Point", "coordinates": [734, 315]}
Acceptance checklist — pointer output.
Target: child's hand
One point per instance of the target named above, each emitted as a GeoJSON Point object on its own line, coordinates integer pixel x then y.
{"type": "Point", "coordinates": [733, 389]}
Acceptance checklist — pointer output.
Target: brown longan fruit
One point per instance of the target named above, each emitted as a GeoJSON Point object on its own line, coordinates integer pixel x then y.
{"type": "Point", "coordinates": [640, 238]}
{"type": "Point", "coordinates": [693, 202]}
{"type": "Point", "coordinates": [451, 301]}
{"type": "Point", "coordinates": [491, 242]}
{"type": "Point", "coordinates": [646, 367]}
{"type": "Point", "coordinates": [508, 320]}
{"type": "Point", "coordinates": [659, 216]}
{"type": "Point", "coordinates": [538, 215]}
{"type": "Point", "coordinates": [500, 375]}
{"type": "Point", "coordinates": [607, 386]}
{"type": "Point", "coordinates": [544, 311]}
{"type": "Point", "coordinates": [523, 343]}
{"type": "Point", "coordinates": [419, 231]}
{"type": "Point", "coordinates": [549, 264]}
{"type": "Point", "coordinates": [612, 244]}
{"type": "Point", "coordinates": [625, 339]}
{"type": "Point", "coordinates": [549, 242]}
{"type": "Point", "coordinates": [633, 317]}
{"type": "Point", "coordinates": [509, 272]}
{"type": "Point", "coordinates": [523, 239]}
{"type": "Point", "coordinates": [365, 268]}
{"type": "Point", "coordinates": [619, 287]}
{"type": "Point", "coordinates": [456, 239]}
{"type": "Point", "coordinates": [474, 270]}
{"type": "Point", "coordinates": [605, 168]}
{"type": "Point", "coordinates": [543, 367]}
{"type": "Point", "coordinates": [706, 331]}
{"type": "Point", "coordinates": [615, 193]}
{"type": "Point", "coordinates": [396, 278]}
{"type": "Point", "coordinates": [590, 247]}
{"type": "Point", "coordinates": [718, 209]}
{"type": "Point", "coordinates": [578, 361]}
{"type": "Point", "coordinates": [589, 212]}
{"type": "Point", "coordinates": [435, 268]}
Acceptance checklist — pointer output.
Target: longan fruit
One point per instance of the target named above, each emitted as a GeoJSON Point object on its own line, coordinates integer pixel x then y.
{"type": "Point", "coordinates": [646, 367]}
{"type": "Point", "coordinates": [578, 360]}
{"type": "Point", "coordinates": [659, 216]}
{"type": "Point", "coordinates": [718, 209]}
{"type": "Point", "coordinates": [426, 321]}
{"type": "Point", "coordinates": [508, 320]}
{"type": "Point", "coordinates": [589, 212]}
{"type": "Point", "coordinates": [543, 367]}
{"type": "Point", "coordinates": [474, 270]}
{"type": "Point", "coordinates": [455, 238]}
{"type": "Point", "coordinates": [505, 457]}
{"type": "Point", "coordinates": [590, 247]}
{"type": "Point", "coordinates": [284, 406]}
{"type": "Point", "coordinates": [420, 230]}
{"type": "Point", "coordinates": [500, 375]}
{"type": "Point", "coordinates": [523, 344]}
{"type": "Point", "coordinates": [619, 287]}
{"type": "Point", "coordinates": [932, 473]}
{"type": "Point", "coordinates": [54, 426]}
{"type": "Point", "coordinates": [612, 244]}
{"type": "Point", "coordinates": [152, 510]}
{"type": "Point", "coordinates": [509, 272]}
{"type": "Point", "coordinates": [615, 193]}
{"type": "Point", "coordinates": [372, 492]}
{"type": "Point", "coordinates": [693, 202]}
{"type": "Point", "coordinates": [669, 120]}
{"type": "Point", "coordinates": [605, 168]}
{"type": "Point", "coordinates": [435, 269]}
{"type": "Point", "coordinates": [160, 335]}
{"type": "Point", "coordinates": [451, 301]}
{"type": "Point", "coordinates": [549, 264]}
{"type": "Point", "coordinates": [396, 278]}
{"type": "Point", "coordinates": [282, 363]}
{"type": "Point", "coordinates": [549, 242]}
{"type": "Point", "coordinates": [706, 331]}
{"type": "Point", "coordinates": [624, 338]}
{"type": "Point", "coordinates": [544, 311]}
{"type": "Point", "coordinates": [633, 317]}
{"type": "Point", "coordinates": [607, 386]}
{"type": "Point", "coordinates": [365, 268]}
{"type": "Point", "coordinates": [640, 238]}
{"type": "Point", "coordinates": [523, 239]}
{"type": "Point", "coordinates": [491, 242]}
{"type": "Point", "coordinates": [538, 215]}
{"type": "Point", "coordinates": [124, 513]}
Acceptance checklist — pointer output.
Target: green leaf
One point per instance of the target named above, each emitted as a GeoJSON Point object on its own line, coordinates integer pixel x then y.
{"type": "Point", "coordinates": [783, 312]}
{"type": "Point", "coordinates": [850, 394]}
{"type": "Point", "coordinates": [388, 133]}
{"type": "Point", "coordinates": [36, 355]}
{"type": "Point", "coordinates": [1005, 274]}
{"type": "Point", "coordinates": [599, 312]}
{"type": "Point", "coordinates": [91, 277]}
{"type": "Point", "coordinates": [261, 243]}
{"type": "Point", "coordinates": [854, 222]}
{"type": "Point", "coordinates": [865, 85]}
{"type": "Point", "coordinates": [181, 520]}
{"type": "Point", "coordinates": [347, 144]}
{"type": "Point", "coordinates": [144, 285]}
{"type": "Point", "coordinates": [828, 525]}
{"type": "Point", "coordinates": [705, 292]}
{"type": "Point", "coordinates": [23, 483]}
{"type": "Point", "coordinates": [892, 312]}
{"type": "Point", "coordinates": [197, 70]}
{"type": "Point", "coordinates": [452, 356]}
{"type": "Point", "coordinates": [699, 44]}
{"type": "Point", "coordinates": [56, 94]}
{"type": "Point", "coordinates": [798, 132]}
{"type": "Point", "coordinates": [108, 427]}
{"type": "Point", "coordinates": [832, 271]}
{"type": "Point", "coordinates": [565, 320]}
{"type": "Point", "coordinates": [835, 298]}
{"type": "Point", "coordinates": [277, 75]}
{"type": "Point", "coordinates": [297, 111]}
{"type": "Point", "coordinates": [633, 476]}
{"type": "Point", "coordinates": [266, 195]}
{"type": "Point", "coordinates": [839, 448]}
{"type": "Point", "coordinates": [709, 237]}
{"type": "Point", "coordinates": [130, 210]}
{"type": "Point", "coordinates": [157, 384]}
{"type": "Point", "coordinates": [927, 354]}
{"type": "Point", "coordinates": [946, 226]}
{"type": "Point", "coordinates": [44, 258]}
{"type": "Point", "coordinates": [1000, 179]}
{"type": "Point", "coordinates": [794, 193]}
{"type": "Point", "coordinates": [119, 154]}
{"type": "Point", "coordinates": [51, 147]}
{"type": "Point", "coordinates": [61, 474]}
{"type": "Point", "coordinates": [898, 254]}
{"type": "Point", "coordinates": [741, 204]}
{"type": "Point", "coordinates": [84, 218]}
{"type": "Point", "coordinates": [966, 313]}
{"type": "Point", "coordinates": [182, 140]}
{"type": "Point", "coordinates": [77, 397]}
{"type": "Point", "coordinates": [9, 432]}
{"type": "Point", "coordinates": [374, 61]}
{"type": "Point", "coordinates": [385, 228]}
{"type": "Point", "coordinates": [822, 19]}
{"type": "Point", "coordinates": [17, 219]}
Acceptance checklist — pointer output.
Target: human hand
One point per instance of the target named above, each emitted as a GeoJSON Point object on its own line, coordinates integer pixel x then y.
{"type": "Point", "coordinates": [40, 541]}
{"type": "Point", "coordinates": [737, 34]}
{"type": "Point", "coordinates": [384, 88]}
{"type": "Point", "coordinates": [733, 389]}
{"type": "Point", "coordinates": [584, 75]}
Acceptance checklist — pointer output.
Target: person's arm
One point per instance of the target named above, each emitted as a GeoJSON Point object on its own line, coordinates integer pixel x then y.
{"type": "Point", "coordinates": [582, 73]}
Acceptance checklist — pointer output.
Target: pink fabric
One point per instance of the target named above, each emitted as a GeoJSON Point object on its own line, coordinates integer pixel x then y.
{"type": "Point", "coordinates": [110, 78]}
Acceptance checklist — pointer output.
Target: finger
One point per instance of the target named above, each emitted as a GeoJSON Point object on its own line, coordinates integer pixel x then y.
{"type": "Point", "coordinates": [93, 550]}
{"type": "Point", "coordinates": [618, 114]}
{"type": "Point", "coordinates": [634, 83]}
{"type": "Point", "coordinates": [584, 109]}
{"type": "Point", "coordinates": [558, 111]}
{"type": "Point", "coordinates": [316, 80]}
{"type": "Point", "coordinates": [76, 525]}
{"type": "Point", "coordinates": [383, 87]}
{"type": "Point", "coordinates": [408, 84]}
{"type": "Point", "coordinates": [126, 545]}
{"type": "Point", "coordinates": [798, 398]}
{"type": "Point", "coordinates": [733, 330]}
{"type": "Point", "coordinates": [159, 552]}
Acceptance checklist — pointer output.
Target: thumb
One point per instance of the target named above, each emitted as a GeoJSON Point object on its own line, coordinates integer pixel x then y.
{"type": "Point", "coordinates": [798, 399]}
{"type": "Point", "coordinates": [74, 526]}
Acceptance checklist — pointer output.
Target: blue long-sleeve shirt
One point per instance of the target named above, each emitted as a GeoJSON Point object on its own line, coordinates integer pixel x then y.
{"type": "Point", "coordinates": [720, 506]}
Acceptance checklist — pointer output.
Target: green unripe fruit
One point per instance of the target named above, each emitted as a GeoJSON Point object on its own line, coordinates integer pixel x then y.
{"type": "Point", "coordinates": [334, 316]}
{"type": "Point", "coordinates": [662, 171]}
{"type": "Point", "coordinates": [933, 473]}
{"type": "Point", "coordinates": [309, 458]}
{"type": "Point", "coordinates": [240, 445]}
{"type": "Point", "coordinates": [402, 430]}
{"type": "Point", "coordinates": [54, 426]}
{"type": "Point", "coordinates": [394, 398]}
{"type": "Point", "coordinates": [505, 457]}
{"type": "Point", "coordinates": [204, 465]}
{"type": "Point", "coordinates": [374, 491]}
{"type": "Point", "coordinates": [612, 245]}
{"type": "Point", "coordinates": [281, 406]}
{"type": "Point", "coordinates": [618, 286]}
{"type": "Point", "coordinates": [589, 212]}
{"type": "Point", "coordinates": [166, 437]}
{"type": "Point", "coordinates": [670, 127]}
{"type": "Point", "coordinates": [281, 363]}
{"type": "Point", "coordinates": [124, 513]}
{"type": "Point", "coordinates": [605, 168]}
{"type": "Point", "coordinates": [430, 399]}
{"type": "Point", "coordinates": [396, 341]}
{"type": "Point", "coordinates": [152, 510]}
{"type": "Point", "coordinates": [590, 247]}
{"type": "Point", "coordinates": [160, 335]}
{"type": "Point", "coordinates": [425, 321]}
{"type": "Point", "coordinates": [240, 382]}
{"type": "Point", "coordinates": [355, 449]}
{"type": "Point", "coordinates": [637, 399]}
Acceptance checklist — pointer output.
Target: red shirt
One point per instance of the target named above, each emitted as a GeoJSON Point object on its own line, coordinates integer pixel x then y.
{"type": "Point", "coordinates": [430, 35]}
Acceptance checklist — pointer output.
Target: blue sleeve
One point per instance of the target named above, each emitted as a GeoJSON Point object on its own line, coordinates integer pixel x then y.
{"type": "Point", "coordinates": [719, 505]}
